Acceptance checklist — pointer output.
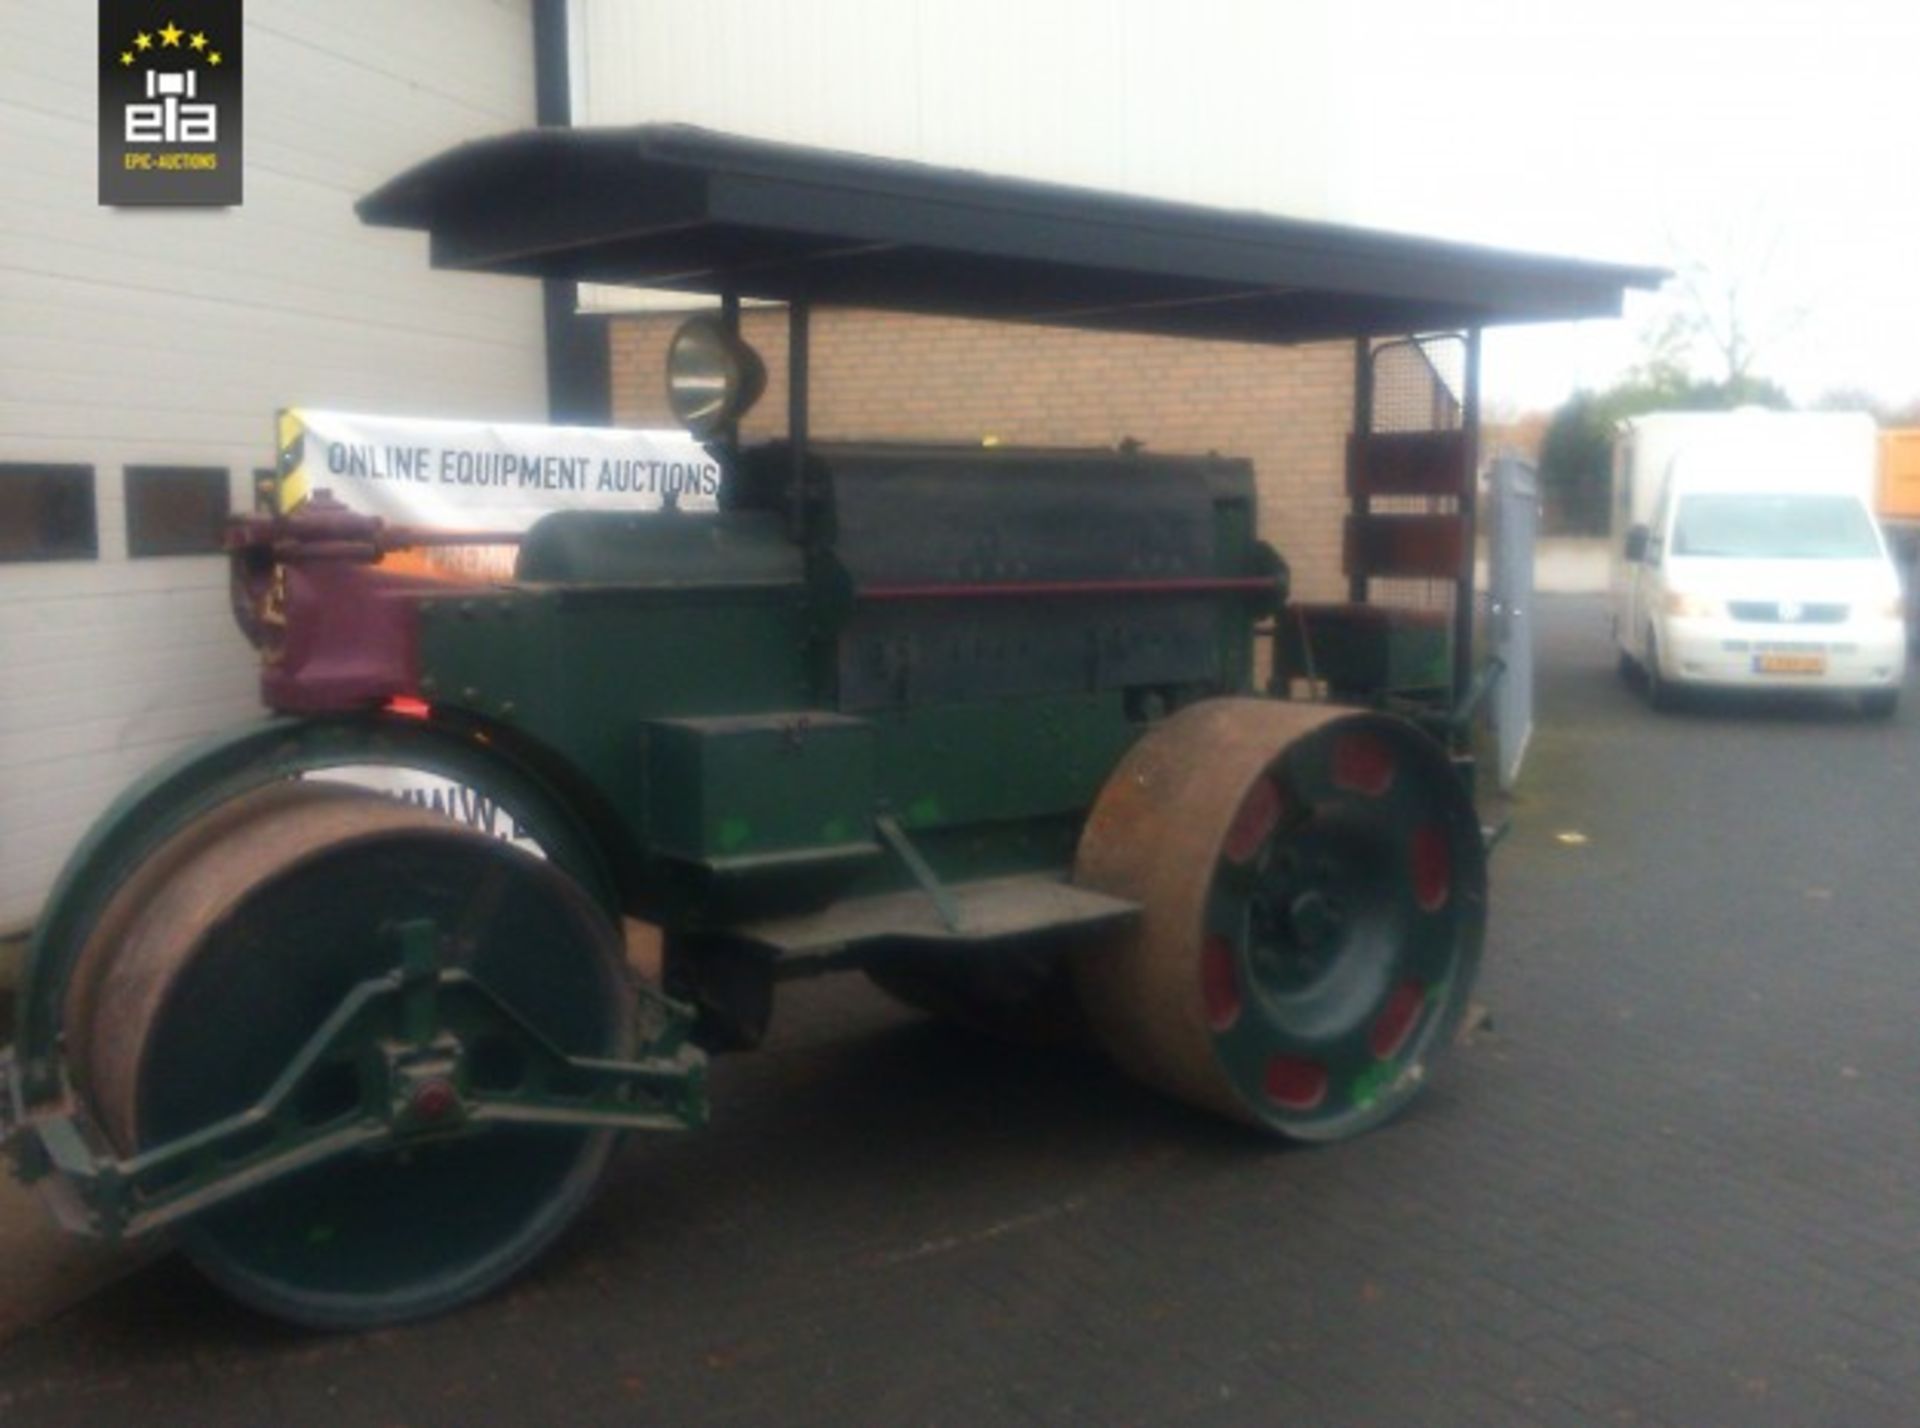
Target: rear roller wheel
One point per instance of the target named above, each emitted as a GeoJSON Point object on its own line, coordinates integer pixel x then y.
{"type": "Point", "coordinates": [229, 949]}
{"type": "Point", "coordinates": [1313, 888]}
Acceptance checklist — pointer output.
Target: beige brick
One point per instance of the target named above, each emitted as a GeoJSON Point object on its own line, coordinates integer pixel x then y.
{"type": "Point", "coordinates": [892, 375]}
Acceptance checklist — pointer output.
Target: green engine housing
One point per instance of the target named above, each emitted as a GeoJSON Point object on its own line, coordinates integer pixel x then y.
{"type": "Point", "coordinates": [964, 641]}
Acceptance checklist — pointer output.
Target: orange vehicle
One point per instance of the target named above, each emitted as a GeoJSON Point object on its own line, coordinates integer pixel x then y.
{"type": "Point", "coordinates": [1896, 501]}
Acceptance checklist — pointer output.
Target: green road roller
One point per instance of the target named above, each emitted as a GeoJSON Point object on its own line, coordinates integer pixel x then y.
{"type": "Point", "coordinates": [1022, 735]}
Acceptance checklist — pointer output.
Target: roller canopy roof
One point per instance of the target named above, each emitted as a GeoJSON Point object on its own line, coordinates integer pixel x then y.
{"type": "Point", "coordinates": [667, 206]}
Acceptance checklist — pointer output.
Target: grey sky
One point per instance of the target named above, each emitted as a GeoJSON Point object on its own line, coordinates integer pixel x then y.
{"type": "Point", "coordinates": [1776, 142]}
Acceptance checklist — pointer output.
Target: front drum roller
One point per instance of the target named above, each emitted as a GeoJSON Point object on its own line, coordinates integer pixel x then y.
{"type": "Point", "coordinates": [230, 947]}
{"type": "Point", "coordinates": [1313, 893]}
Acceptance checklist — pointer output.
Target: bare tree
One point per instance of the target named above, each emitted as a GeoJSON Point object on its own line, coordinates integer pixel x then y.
{"type": "Point", "coordinates": [1726, 301]}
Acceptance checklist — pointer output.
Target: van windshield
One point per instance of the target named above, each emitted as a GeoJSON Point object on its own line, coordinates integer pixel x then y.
{"type": "Point", "coordinates": [1764, 527]}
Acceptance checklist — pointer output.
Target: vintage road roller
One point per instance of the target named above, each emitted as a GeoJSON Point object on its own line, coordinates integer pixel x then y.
{"type": "Point", "coordinates": [981, 723]}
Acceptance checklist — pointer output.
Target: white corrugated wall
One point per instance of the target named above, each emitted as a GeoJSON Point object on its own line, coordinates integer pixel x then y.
{"type": "Point", "coordinates": [171, 336]}
{"type": "Point", "coordinates": [1222, 102]}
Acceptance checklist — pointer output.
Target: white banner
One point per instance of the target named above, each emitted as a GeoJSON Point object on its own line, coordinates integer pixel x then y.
{"type": "Point", "coordinates": [486, 476]}
{"type": "Point", "coordinates": [462, 475]}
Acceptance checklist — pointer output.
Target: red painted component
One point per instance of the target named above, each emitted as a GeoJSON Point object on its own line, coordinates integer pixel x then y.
{"type": "Point", "coordinates": [1219, 983]}
{"type": "Point", "coordinates": [1296, 1084]}
{"type": "Point", "coordinates": [1432, 867]}
{"type": "Point", "coordinates": [1258, 815]}
{"type": "Point", "coordinates": [1362, 763]}
{"type": "Point", "coordinates": [433, 1101]}
{"type": "Point", "coordinates": [1397, 1020]}
{"type": "Point", "coordinates": [408, 707]}
{"type": "Point", "coordinates": [349, 637]}
{"type": "Point", "coordinates": [1024, 589]}
{"type": "Point", "coordinates": [335, 630]}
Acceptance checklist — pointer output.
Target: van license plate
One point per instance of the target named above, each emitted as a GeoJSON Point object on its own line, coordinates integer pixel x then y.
{"type": "Point", "coordinates": [1790, 663]}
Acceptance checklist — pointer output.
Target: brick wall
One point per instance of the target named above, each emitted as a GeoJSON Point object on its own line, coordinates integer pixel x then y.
{"type": "Point", "coordinates": [890, 375]}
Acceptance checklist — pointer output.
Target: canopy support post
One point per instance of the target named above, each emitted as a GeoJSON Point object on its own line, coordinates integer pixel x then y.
{"type": "Point", "coordinates": [798, 311]}
{"type": "Point", "coordinates": [1362, 424]}
{"type": "Point", "coordinates": [1463, 590]}
{"type": "Point", "coordinates": [730, 321]}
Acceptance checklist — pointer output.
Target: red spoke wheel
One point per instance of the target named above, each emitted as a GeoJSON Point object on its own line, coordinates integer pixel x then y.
{"type": "Point", "coordinates": [225, 953]}
{"type": "Point", "coordinates": [1313, 887]}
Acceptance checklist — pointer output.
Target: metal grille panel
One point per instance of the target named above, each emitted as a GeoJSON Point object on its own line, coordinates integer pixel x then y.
{"type": "Point", "coordinates": [1418, 384]}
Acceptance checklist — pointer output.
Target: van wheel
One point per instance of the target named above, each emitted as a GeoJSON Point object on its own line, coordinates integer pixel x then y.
{"type": "Point", "coordinates": [1628, 669]}
{"type": "Point", "coordinates": [1660, 691]}
{"type": "Point", "coordinates": [1879, 703]}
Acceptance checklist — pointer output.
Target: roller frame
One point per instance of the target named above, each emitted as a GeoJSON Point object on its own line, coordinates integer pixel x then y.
{"type": "Point", "coordinates": [409, 1029]}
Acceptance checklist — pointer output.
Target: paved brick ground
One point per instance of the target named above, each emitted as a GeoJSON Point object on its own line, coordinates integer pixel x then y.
{"type": "Point", "coordinates": [1674, 1185]}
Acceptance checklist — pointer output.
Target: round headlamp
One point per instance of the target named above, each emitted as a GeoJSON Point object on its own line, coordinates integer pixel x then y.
{"type": "Point", "coordinates": [712, 376]}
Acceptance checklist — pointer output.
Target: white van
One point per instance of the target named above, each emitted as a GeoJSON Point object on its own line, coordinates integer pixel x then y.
{"type": "Point", "coordinates": [1745, 556]}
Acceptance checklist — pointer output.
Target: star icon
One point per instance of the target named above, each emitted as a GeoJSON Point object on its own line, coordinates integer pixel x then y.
{"type": "Point", "coordinates": [126, 57]}
{"type": "Point", "coordinates": [143, 41]}
{"type": "Point", "coordinates": [170, 36]}
{"type": "Point", "coordinates": [199, 41]}
{"type": "Point", "coordinates": [213, 57]}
